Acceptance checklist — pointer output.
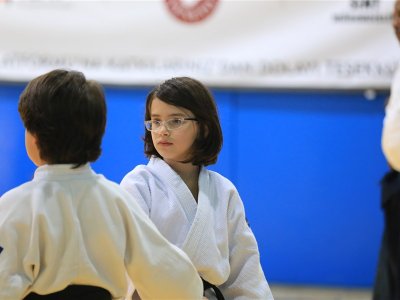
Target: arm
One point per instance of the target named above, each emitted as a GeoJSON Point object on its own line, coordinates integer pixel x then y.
{"type": "Point", "coordinates": [13, 280]}
{"type": "Point", "coordinates": [246, 279]}
{"type": "Point", "coordinates": [158, 269]}
{"type": "Point", "coordinates": [17, 258]}
{"type": "Point", "coordinates": [391, 126]}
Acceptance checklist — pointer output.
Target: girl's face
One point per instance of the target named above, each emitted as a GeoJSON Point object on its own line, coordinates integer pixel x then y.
{"type": "Point", "coordinates": [173, 145]}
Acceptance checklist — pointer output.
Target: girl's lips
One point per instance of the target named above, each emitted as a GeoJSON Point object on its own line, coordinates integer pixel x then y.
{"type": "Point", "coordinates": [165, 143]}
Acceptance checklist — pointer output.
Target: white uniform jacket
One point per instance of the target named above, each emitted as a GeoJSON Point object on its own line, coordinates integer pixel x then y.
{"type": "Point", "coordinates": [73, 226]}
{"type": "Point", "coordinates": [214, 233]}
{"type": "Point", "coordinates": [391, 125]}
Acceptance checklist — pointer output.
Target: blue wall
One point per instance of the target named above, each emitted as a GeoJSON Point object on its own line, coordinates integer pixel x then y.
{"type": "Point", "coordinates": [307, 165]}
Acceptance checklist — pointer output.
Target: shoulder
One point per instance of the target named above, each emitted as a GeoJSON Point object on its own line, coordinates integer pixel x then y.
{"type": "Point", "coordinates": [155, 170]}
{"type": "Point", "coordinates": [141, 183]}
{"type": "Point", "coordinates": [18, 193]}
{"type": "Point", "coordinates": [224, 190]}
{"type": "Point", "coordinates": [219, 180]}
{"type": "Point", "coordinates": [140, 173]}
{"type": "Point", "coordinates": [17, 203]}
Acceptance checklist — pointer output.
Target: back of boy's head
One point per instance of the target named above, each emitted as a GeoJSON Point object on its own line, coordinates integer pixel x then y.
{"type": "Point", "coordinates": [192, 95]}
{"type": "Point", "coordinates": [67, 115]}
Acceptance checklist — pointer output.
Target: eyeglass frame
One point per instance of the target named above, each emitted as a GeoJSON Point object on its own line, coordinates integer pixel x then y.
{"type": "Point", "coordinates": [165, 123]}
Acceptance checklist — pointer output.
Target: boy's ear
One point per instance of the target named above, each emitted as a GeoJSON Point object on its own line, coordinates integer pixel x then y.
{"type": "Point", "coordinates": [34, 137]}
{"type": "Point", "coordinates": [32, 148]}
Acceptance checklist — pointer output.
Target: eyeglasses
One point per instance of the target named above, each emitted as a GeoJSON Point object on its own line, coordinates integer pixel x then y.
{"type": "Point", "coordinates": [171, 124]}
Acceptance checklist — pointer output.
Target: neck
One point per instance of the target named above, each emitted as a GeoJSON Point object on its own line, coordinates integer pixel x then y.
{"type": "Point", "coordinates": [189, 174]}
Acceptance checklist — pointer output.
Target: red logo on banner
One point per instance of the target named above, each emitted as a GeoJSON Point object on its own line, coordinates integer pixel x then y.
{"type": "Point", "coordinates": [192, 12]}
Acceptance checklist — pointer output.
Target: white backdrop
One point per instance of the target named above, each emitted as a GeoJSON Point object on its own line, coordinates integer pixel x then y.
{"type": "Point", "coordinates": [267, 44]}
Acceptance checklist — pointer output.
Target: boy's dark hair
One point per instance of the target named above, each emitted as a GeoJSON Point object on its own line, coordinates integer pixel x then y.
{"type": "Point", "coordinates": [67, 115]}
{"type": "Point", "coordinates": [190, 94]}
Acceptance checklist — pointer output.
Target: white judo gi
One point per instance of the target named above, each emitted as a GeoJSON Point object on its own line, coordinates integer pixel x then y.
{"type": "Point", "coordinates": [73, 226]}
{"type": "Point", "coordinates": [214, 233]}
{"type": "Point", "coordinates": [391, 125]}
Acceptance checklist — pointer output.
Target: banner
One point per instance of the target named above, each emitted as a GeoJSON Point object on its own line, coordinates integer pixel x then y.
{"type": "Point", "coordinates": [342, 44]}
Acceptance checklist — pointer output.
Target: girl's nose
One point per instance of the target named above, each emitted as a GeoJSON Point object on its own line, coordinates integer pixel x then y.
{"type": "Point", "coordinates": [163, 129]}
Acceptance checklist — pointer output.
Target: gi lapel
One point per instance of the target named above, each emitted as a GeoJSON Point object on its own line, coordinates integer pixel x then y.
{"type": "Point", "coordinates": [200, 233]}
{"type": "Point", "coordinates": [175, 182]}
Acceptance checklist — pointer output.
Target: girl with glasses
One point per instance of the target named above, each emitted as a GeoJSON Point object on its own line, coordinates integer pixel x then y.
{"type": "Point", "coordinates": [196, 209]}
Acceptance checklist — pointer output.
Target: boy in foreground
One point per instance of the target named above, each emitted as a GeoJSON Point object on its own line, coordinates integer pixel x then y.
{"type": "Point", "coordinates": [71, 233]}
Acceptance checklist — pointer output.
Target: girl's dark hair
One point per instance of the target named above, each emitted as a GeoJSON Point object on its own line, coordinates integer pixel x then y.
{"type": "Point", "coordinates": [67, 115]}
{"type": "Point", "coordinates": [192, 95]}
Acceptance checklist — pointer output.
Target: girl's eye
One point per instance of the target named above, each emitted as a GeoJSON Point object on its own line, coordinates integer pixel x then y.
{"type": "Point", "coordinates": [156, 123]}
{"type": "Point", "coordinates": [175, 122]}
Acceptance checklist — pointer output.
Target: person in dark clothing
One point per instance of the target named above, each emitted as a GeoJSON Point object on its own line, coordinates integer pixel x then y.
{"type": "Point", "coordinates": [387, 281]}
